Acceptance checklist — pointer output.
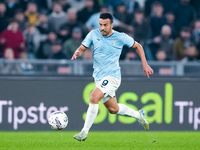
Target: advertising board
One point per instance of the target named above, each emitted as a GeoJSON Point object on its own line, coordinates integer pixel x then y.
{"type": "Point", "coordinates": [170, 104]}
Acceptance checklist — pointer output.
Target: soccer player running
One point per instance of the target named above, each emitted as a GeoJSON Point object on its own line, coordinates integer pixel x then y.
{"type": "Point", "coordinates": [107, 47]}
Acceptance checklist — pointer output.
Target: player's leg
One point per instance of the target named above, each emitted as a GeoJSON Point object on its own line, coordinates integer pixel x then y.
{"type": "Point", "coordinates": [92, 112]}
{"type": "Point", "coordinates": [121, 109]}
{"type": "Point", "coordinates": [112, 105]}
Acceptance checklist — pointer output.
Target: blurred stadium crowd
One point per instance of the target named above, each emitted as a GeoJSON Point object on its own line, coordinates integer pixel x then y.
{"type": "Point", "coordinates": [54, 29]}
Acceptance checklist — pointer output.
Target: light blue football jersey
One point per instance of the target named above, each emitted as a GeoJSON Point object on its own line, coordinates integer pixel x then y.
{"type": "Point", "coordinates": [106, 52]}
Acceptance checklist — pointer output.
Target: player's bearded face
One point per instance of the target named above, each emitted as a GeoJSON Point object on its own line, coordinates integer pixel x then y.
{"type": "Point", "coordinates": [105, 27]}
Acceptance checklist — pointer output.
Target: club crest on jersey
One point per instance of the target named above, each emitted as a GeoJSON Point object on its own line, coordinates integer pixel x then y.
{"type": "Point", "coordinates": [114, 42]}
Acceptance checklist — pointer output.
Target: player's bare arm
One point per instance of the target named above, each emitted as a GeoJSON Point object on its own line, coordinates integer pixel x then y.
{"type": "Point", "coordinates": [147, 69]}
{"type": "Point", "coordinates": [79, 52]}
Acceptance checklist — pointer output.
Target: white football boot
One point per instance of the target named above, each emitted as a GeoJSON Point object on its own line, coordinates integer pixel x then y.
{"type": "Point", "coordinates": [82, 136]}
{"type": "Point", "coordinates": [142, 121]}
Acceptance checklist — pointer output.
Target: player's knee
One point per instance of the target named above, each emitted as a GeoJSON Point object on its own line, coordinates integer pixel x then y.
{"type": "Point", "coordinates": [94, 99]}
{"type": "Point", "coordinates": [113, 110]}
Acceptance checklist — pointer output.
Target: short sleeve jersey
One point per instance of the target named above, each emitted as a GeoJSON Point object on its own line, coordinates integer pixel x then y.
{"type": "Point", "coordinates": [106, 52]}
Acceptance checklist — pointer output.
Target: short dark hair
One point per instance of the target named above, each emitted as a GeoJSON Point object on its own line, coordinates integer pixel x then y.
{"type": "Point", "coordinates": [106, 16]}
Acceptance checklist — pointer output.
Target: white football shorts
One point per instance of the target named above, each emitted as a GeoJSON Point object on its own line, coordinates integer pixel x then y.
{"type": "Point", "coordinates": [108, 85]}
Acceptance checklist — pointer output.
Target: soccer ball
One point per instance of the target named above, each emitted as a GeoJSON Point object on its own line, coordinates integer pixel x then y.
{"type": "Point", "coordinates": [58, 120]}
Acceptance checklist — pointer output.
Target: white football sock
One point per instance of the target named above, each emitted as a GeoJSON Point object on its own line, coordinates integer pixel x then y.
{"type": "Point", "coordinates": [90, 117]}
{"type": "Point", "coordinates": [125, 110]}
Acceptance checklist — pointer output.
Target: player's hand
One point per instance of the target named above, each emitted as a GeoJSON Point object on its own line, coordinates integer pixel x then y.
{"type": "Point", "coordinates": [147, 70]}
{"type": "Point", "coordinates": [75, 55]}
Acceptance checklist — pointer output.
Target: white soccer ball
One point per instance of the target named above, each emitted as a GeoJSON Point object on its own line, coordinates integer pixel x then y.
{"type": "Point", "coordinates": [58, 120]}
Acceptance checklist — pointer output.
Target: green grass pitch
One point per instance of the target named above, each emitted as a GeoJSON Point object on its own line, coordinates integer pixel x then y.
{"type": "Point", "coordinates": [63, 140]}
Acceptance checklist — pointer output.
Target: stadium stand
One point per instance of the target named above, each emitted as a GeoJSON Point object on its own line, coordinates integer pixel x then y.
{"type": "Point", "coordinates": [170, 35]}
